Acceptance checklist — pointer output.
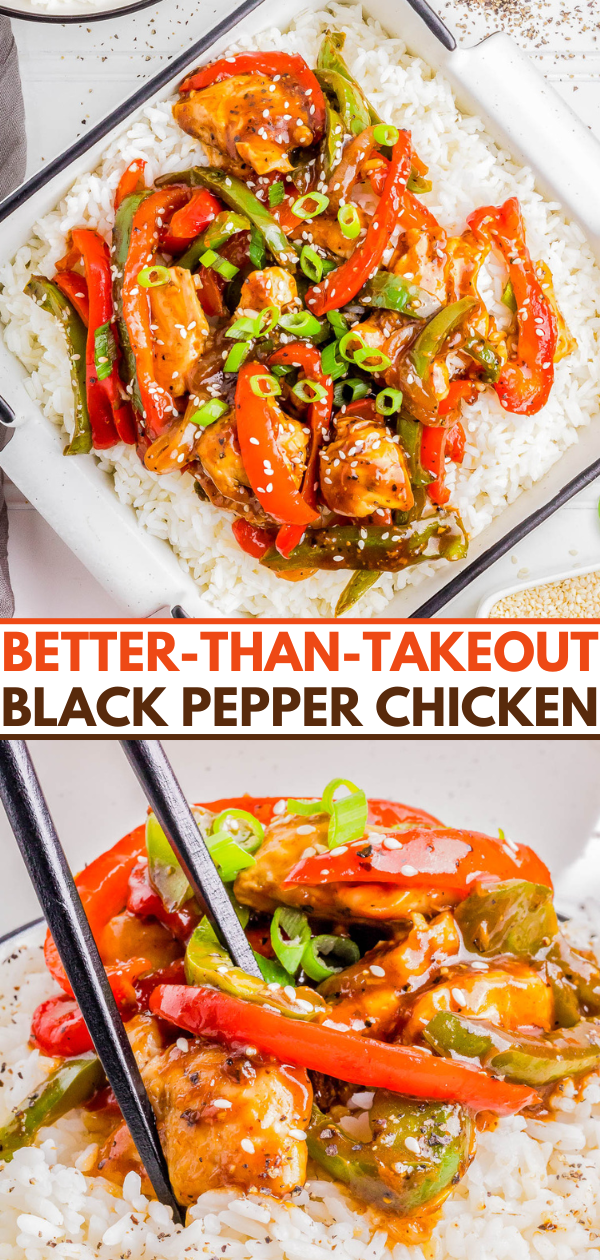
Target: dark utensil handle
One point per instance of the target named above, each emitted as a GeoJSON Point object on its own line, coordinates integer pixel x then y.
{"type": "Point", "coordinates": [163, 793]}
{"type": "Point", "coordinates": [34, 831]}
{"type": "Point", "coordinates": [435, 24]}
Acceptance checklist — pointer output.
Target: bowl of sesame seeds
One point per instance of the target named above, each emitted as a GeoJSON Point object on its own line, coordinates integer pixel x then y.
{"type": "Point", "coordinates": [575, 593]}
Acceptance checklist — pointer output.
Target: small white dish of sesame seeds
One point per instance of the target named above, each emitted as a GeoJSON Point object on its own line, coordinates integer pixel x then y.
{"type": "Point", "coordinates": [574, 593]}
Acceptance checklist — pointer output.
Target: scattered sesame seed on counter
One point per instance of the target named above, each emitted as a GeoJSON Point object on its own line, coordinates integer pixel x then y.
{"type": "Point", "coordinates": [571, 597]}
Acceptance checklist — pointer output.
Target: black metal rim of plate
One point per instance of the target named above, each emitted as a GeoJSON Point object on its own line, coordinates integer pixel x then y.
{"type": "Point", "coordinates": [58, 19]}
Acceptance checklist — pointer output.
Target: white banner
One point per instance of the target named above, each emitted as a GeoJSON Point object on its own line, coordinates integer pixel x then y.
{"type": "Point", "coordinates": [384, 678]}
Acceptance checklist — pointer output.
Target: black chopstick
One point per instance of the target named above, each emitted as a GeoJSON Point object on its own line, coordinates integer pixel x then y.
{"type": "Point", "coordinates": [166, 799]}
{"type": "Point", "coordinates": [435, 24]}
{"type": "Point", "coordinates": [42, 853]}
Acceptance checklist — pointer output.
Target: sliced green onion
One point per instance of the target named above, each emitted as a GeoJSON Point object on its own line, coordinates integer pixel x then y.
{"type": "Point", "coordinates": [338, 322]}
{"type": "Point", "coordinates": [271, 970]}
{"type": "Point", "coordinates": [308, 391]}
{"type": "Point", "coordinates": [508, 297]}
{"type": "Point", "coordinates": [228, 855]}
{"type": "Point", "coordinates": [388, 401]}
{"type": "Point", "coordinates": [346, 343]}
{"type": "Point", "coordinates": [222, 265]}
{"type": "Point", "coordinates": [295, 925]}
{"type": "Point", "coordinates": [348, 816]}
{"type": "Point", "coordinates": [339, 948]}
{"type": "Point", "coordinates": [301, 322]}
{"type": "Point", "coordinates": [282, 369]}
{"type": "Point", "coordinates": [276, 192]}
{"type": "Point", "coordinates": [153, 277]}
{"type": "Point", "coordinates": [209, 412]}
{"type": "Point", "coordinates": [385, 134]}
{"type": "Point", "coordinates": [237, 355]}
{"type": "Point", "coordinates": [350, 390]}
{"type": "Point", "coordinates": [329, 265]}
{"type": "Point", "coordinates": [256, 831]}
{"type": "Point", "coordinates": [349, 221]}
{"type": "Point", "coordinates": [266, 321]}
{"type": "Point", "coordinates": [331, 364]}
{"type": "Point", "coordinates": [105, 351]}
{"type": "Point", "coordinates": [311, 204]}
{"type": "Point", "coordinates": [311, 263]}
{"type": "Point", "coordinates": [305, 808]}
{"type": "Point", "coordinates": [372, 360]}
{"type": "Point", "coordinates": [265, 386]}
{"type": "Point", "coordinates": [241, 329]}
{"type": "Point", "coordinates": [256, 250]}
{"type": "Point", "coordinates": [165, 874]}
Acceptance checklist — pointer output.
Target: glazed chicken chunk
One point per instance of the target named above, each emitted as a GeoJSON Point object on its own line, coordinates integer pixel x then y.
{"type": "Point", "coordinates": [263, 887]}
{"type": "Point", "coordinates": [179, 328]}
{"type": "Point", "coordinates": [363, 469]}
{"type": "Point", "coordinates": [273, 286]}
{"type": "Point", "coordinates": [219, 453]}
{"type": "Point", "coordinates": [510, 994]}
{"type": "Point", "coordinates": [247, 121]}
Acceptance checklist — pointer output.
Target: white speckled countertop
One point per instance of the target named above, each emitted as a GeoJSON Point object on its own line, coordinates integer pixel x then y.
{"type": "Point", "coordinates": [73, 75]}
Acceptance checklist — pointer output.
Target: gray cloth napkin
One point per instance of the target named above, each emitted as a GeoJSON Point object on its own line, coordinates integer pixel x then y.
{"type": "Point", "coordinates": [13, 152]}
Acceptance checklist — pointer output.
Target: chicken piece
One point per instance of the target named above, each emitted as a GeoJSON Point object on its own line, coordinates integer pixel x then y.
{"type": "Point", "coordinates": [272, 287]}
{"type": "Point", "coordinates": [126, 937]}
{"type": "Point", "coordinates": [361, 995]}
{"type": "Point", "coordinates": [262, 885]}
{"type": "Point", "coordinates": [325, 232]}
{"type": "Point", "coordinates": [248, 121]}
{"type": "Point", "coordinates": [173, 450]}
{"type": "Point", "coordinates": [363, 469]}
{"type": "Point", "coordinates": [219, 453]}
{"type": "Point", "coordinates": [180, 330]}
{"type": "Point", "coordinates": [424, 260]}
{"type": "Point", "coordinates": [207, 1143]}
{"type": "Point", "coordinates": [509, 994]}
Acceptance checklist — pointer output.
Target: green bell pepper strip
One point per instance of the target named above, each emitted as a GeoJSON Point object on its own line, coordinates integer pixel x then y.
{"type": "Point", "coordinates": [520, 1058]}
{"type": "Point", "coordinates": [223, 227]}
{"type": "Point", "coordinates": [350, 103]}
{"type": "Point", "coordinates": [394, 293]}
{"type": "Point", "coordinates": [164, 871]}
{"type": "Point", "coordinates": [359, 584]}
{"type": "Point", "coordinates": [49, 296]}
{"type": "Point", "coordinates": [121, 240]}
{"type": "Point", "coordinates": [410, 432]}
{"type": "Point", "coordinates": [239, 198]}
{"type": "Point", "coordinates": [508, 297]}
{"type": "Point", "coordinates": [330, 58]}
{"type": "Point", "coordinates": [331, 151]}
{"type": "Point", "coordinates": [484, 354]}
{"type": "Point", "coordinates": [512, 916]}
{"type": "Point", "coordinates": [440, 536]}
{"type": "Point", "coordinates": [69, 1086]}
{"type": "Point", "coordinates": [432, 337]}
{"type": "Point", "coordinates": [386, 1172]}
{"type": "Point", "coordinates": [207, 962]}
{"type": "Point", "coordinates": [575, 980]}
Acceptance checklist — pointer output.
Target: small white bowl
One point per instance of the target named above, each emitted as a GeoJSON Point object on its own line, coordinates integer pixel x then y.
{"type": "Point", "coordinates": [485, 608]}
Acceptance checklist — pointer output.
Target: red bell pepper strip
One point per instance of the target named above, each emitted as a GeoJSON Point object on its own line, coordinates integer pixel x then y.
{"type": "Point", "coordinates": [190, 220]}
{"type": "Point", "coordinates": [251, 538]}
{"type": "Point", "coordinates": [145, 903]}
{"type": "Point", "coordinates": [75, 289]}
{"type": "Point", "coordinates": [381, 813]}
{"type": "Point", "coordinates": [427, 857]}
{"type": "Point", "coordinates": [307, 357]}
{"type": "Point", "coordinates": [437, 444]}
{"type": "Point", "coordinates": [103, 887]}
{"type": "Point", "coordinates": [132, 180]}
{"type": "Point", "coordinates": [111, 415]}
{"type": "Point", "coordinates": [524, 383]}
{"type": "Point", "coordinates": [347, 1056]}
{"type": "Point", "coordinates": [341, 285]}
{"type": "Point", "coordinates": [58, 1028]}
{"type": "Point", "coordinates": [269, 63]}
{"type": "Point", "coordinates": [157, 403]}
{"type": "Point", "coordinates": [458, 389]}
{"type": "Point", "coordinates": [270, 478]}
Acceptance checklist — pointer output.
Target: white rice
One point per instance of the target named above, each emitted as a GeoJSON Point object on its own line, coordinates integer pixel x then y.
{"type": "Point", "coordinates": [533, 1189]}
{"type": "Point", "coordinates": [505, 453]}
